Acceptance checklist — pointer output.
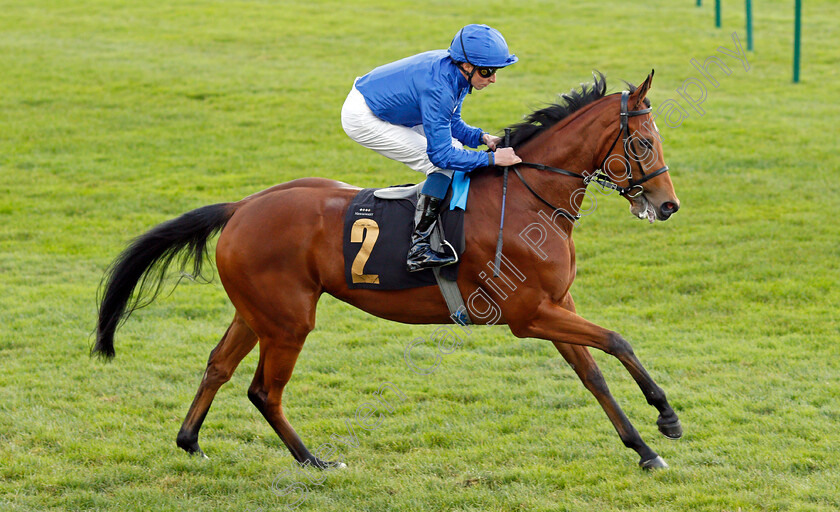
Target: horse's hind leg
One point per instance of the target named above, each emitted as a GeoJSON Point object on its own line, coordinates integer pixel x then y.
{"type": "Point", "coordinates": [233, 347]}
{"type": "Point", "coordinates": [278, 355]}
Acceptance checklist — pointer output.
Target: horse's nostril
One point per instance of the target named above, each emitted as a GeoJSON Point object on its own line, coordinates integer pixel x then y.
{"type": "Point", "coordinates": [669, 208]}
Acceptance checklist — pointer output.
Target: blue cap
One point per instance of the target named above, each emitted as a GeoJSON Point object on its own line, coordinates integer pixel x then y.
{"type": "Point", "coordinates": [481, 46]}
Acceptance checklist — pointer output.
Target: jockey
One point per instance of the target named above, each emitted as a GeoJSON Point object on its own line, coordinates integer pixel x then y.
{"type": "Point", "coordinates": [410, 111]}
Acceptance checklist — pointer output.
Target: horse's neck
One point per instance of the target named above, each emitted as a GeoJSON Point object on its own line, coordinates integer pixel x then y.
{"type": "Point", "coordinates": [572, 145]}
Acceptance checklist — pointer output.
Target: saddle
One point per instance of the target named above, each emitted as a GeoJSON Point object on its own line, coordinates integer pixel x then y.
{"type": "Point", "coordinates": [377, 235]}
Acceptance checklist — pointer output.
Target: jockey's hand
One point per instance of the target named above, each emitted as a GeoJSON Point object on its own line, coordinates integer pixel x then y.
{"type": "Point", "coordinates": [505, 157]}
{"type": "Point", "coordinates": [491, 141]}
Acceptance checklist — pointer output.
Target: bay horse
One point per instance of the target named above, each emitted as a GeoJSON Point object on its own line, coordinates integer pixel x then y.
{"type": "Point", "coordinates": [274, 270]}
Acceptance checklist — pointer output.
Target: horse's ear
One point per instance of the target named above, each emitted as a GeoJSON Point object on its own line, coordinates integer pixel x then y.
{"type": "Point", "coordinates": [639, 94]}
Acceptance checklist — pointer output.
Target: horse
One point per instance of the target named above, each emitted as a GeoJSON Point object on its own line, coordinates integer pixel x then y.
{"type": "Point", "coordinates": [280, 249]}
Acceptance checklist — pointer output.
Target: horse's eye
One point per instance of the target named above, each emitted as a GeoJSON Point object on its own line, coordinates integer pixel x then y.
{"type": "Point", "coordinates": [647, 143]}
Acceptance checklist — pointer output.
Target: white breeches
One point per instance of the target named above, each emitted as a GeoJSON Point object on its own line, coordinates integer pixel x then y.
{"type": "Point", "coordinates": [400, 143]}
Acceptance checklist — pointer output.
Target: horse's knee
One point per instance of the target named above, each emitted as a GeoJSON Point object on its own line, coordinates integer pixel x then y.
{"type": "Point", "coordinates": [618, 346]}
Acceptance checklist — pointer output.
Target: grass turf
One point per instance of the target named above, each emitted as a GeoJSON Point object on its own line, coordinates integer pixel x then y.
{"type": "Point", "coordinates": [119, 115]}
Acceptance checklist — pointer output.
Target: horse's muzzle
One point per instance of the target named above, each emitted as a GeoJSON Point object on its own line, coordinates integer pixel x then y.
{"type": "Point", "coordinates": [667, 209]}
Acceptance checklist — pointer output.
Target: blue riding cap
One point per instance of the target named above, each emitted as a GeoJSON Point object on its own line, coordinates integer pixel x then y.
{"type": "Point", "coordinates": [481, 46]}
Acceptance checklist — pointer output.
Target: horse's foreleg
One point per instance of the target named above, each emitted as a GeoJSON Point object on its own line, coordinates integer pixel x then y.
{"type": "Point", "coordinates": [233, 347]}
{"type": "Point", "coordinates": [564, 326]}
{"type": "Point", "coordinates": [668, 422]}
{"type": "Point", "coordinates": [587, 370]}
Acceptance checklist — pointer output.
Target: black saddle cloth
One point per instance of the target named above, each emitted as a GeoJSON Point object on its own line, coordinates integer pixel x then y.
{"type": "Point", "coordinates": [377, 236]}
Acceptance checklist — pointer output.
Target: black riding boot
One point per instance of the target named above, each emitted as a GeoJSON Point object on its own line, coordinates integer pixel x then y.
{"type": "Point", "coordinates": [421, 255]}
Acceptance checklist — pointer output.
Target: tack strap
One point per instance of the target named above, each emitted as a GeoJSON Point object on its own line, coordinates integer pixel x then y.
{"type": "Point", "coordinates": [498, 261]}
{"type": "Point", "coordinates": [449, 289]}
{"type": "Point", "coordinates": [563, 212]}
{"type": "Point", "coordinates": [633, 188]}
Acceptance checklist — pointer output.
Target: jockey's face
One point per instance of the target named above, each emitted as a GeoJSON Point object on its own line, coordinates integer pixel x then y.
{"type": "Point", "coordinates": [478, 81]}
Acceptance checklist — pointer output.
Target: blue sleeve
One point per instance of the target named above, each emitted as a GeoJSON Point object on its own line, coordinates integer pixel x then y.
{"type": "Point", "coordinates": [437, 106]}
{"type": "Point", "coordinates": [468, 135]}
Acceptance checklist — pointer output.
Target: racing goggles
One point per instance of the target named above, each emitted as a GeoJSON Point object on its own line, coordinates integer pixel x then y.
{"type": "Point", "coordinates": [486, 72]}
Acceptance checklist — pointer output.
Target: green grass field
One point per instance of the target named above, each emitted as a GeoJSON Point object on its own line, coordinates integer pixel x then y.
{"type": "Point", "coordinates": [115, 116]}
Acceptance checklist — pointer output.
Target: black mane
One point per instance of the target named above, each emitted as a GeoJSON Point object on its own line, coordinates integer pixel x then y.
{"type": "Point", "coordinates": [571, 102]}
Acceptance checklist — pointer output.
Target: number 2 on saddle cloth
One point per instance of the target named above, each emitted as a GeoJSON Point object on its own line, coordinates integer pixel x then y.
{"type": "Point", "coordinates": [377, 236]}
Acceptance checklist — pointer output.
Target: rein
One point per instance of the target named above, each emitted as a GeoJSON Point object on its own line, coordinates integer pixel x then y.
{"type": "Point", "coordinates": [498, 261]}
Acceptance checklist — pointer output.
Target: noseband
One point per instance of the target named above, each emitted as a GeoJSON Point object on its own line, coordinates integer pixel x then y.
{"type": "Point", "coordinates": [600, 176]}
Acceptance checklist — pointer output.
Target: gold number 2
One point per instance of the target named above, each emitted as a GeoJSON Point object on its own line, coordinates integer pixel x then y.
{"type": "Point", "coordinates": [357, 234]}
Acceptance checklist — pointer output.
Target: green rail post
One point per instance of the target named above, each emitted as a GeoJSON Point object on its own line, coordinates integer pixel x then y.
{"type": "Point", "coordinates": [749, 25]}
{"type": "Point", "coordinates": [797, 34]}
{"type": "Point", "coordinates": [717, 13]}
{"type": "Point", "coordinates": [699, 3]}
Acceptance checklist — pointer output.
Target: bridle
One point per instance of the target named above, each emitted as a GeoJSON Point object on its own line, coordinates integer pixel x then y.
{"type": "Point", "coordinates": [624, 132]}
{"type": "Point", "coordinates": [600, 176]}
{"type": "Point", "coordinates": [634, 187]}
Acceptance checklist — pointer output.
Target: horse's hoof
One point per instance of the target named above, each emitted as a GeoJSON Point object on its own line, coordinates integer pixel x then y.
{"type": "Point", "coordinates": [328, 464]}
{"type": "Point", "coordinates": [193, 450]}
{"type": "Point", "coordinates": [199, 454]}
{"type": "Point", "coordinates": [189, 444]}
{"type": "Point", "coordinates": [654, 463]}
{"type": "Point", "coordinates": [671, 429]}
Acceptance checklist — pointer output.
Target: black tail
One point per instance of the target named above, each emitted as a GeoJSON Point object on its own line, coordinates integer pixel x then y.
{"type": "Point", "coordinates": [146, 260]}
